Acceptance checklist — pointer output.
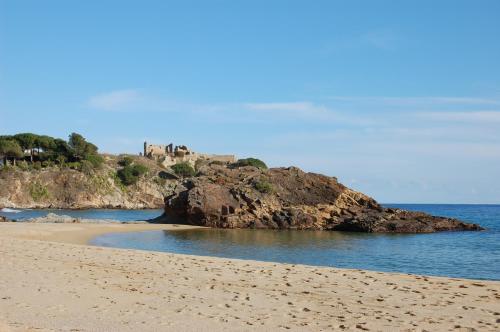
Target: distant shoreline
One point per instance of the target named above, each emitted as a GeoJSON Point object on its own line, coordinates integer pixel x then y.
{"type": "Point", "coordinates": [162, 207]}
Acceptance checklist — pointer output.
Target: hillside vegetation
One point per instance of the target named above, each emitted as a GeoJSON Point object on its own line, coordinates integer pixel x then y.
{"type": "Point", "coordinates": [64, 186]}
{"type": "Point", "coordinates": [38, 171]}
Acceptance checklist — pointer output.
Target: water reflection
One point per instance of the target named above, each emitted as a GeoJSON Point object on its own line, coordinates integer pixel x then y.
{"type": "Point", "coordinates": [281, 238]}
{"type": "Point", "coordinates": [474, 255]}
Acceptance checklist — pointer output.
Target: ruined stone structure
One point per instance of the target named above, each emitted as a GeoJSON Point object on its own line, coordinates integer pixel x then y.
{"type": "Point", "coordinates": [169, 155]}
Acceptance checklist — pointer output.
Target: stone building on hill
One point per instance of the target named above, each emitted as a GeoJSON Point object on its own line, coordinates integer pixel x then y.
{"type": "Point", "coordinates": [169, 155]}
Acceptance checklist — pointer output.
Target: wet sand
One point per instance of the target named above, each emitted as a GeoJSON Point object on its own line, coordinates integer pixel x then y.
{"type": "Point", "coordinates": [49, 281]}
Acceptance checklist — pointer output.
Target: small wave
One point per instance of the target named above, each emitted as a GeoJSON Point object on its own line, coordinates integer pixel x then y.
{"type": "Point", "coordinates": [10, 210]}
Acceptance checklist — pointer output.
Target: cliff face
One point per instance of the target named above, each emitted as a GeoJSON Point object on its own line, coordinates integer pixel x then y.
{"type": "Point", "coordinates": [288, 198]}
{"type": "Point", "coordinates": [71, 189]}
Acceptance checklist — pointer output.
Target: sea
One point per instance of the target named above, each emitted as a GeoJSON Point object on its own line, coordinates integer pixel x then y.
{"type": "Point", "coordinates": [473, 255]}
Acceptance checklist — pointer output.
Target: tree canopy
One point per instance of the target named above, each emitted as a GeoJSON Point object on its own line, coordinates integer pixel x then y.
{"type": "Point", "coordinates": [42, 148]}
{"type": "Point", "coordinates": [25, 140]}
{"type": "Point", "coordinates": [80, 147]}
{"type": "Point", "coordinates": [10, 148]}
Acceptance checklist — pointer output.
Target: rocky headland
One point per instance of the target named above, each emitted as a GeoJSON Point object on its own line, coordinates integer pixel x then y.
{"type": "Point", "coordinates": [288, 198]}
{"type": "Point", "coordinates": [217, 195]}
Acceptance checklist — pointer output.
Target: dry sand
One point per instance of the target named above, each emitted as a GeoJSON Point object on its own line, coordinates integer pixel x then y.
{"type": "Point", "coordinates": [49, 281]}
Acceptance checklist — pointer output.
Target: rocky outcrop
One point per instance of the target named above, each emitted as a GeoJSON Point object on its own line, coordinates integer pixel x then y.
{"type": "Point", "coordinates": [288, 198]}
{"type": "Point", "coordinates": [64, 219]}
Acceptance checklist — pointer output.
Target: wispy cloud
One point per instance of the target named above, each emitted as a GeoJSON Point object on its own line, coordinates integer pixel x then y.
{"type": "Point", "coordinates": [289, 106]}
{"type": "Point", "coordinates": [364, 113]}
{"type": "Point", "coordinates": [299, 108]}
{"type": "Point", "coordinates": [134, 101]}
{"type": "Point", "coordinates": [477, 116]}
{"type": "Point", "coordinates": [310, 112]}
{"type": "Point", "coordinates": [425, 100]}
{"type": "Point", "coordinates": [115, 100]}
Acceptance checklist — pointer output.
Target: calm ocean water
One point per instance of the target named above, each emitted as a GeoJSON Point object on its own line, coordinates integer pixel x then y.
{"type": "Point", "coordinates": [474, 255]}
{"type": "Point", "coordinates": [122, 215]}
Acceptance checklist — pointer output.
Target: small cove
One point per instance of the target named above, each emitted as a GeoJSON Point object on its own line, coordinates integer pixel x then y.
{"type": "Point", "coordinates": [474, 255]}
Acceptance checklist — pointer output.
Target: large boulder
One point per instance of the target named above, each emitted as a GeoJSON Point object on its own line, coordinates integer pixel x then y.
{"type": "Point", "coordinates": [288, 198]}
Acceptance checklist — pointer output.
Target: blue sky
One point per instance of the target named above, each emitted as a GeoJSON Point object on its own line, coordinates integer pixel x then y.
{"type": "Point", "coordinates": [398, 99]}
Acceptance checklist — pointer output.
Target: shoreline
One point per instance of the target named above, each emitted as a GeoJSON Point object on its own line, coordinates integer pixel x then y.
{"type": "Point", "coordinates": [84, 233]}
{"type": "Point", "coordinates": [161, 207]}
{"type": "Point", "coordinates": [79, 233]}
{"type": "Point", "coordinates": [50, 281]}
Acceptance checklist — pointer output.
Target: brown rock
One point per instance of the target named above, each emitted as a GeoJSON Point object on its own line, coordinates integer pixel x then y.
{"type": "Point", "coordinates": [227, 198]}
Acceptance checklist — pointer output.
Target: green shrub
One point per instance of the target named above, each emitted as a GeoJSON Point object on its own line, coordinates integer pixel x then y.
{"type": "Point", "coordinates": [74, 165]}
{"type": "Point", "coordinates": [23, 165]}
{"type": "Point", "coordinates": [126, 161]}
{"type": "Point", "coordinates": [37, 165]}
{"type": "Point", "coordinates": [38, 191]}
{"type": "Point", "coordinates": [4, 169]}
{"type": "Point", "coordinates": [118, 182]}
{"type": "Point", "coordinates": [61, 160]}
{"type": "Point", "coordinates": [183, 169]}
{"type": "Point", "coordinates": [86, 167]}
{"type": "Point", "coordinates": [139, 169]}
{"type": "Point", "coordinates": [47, 163]}
{"type": "Point", "coordinates": [95, 160]}
{"type": "Point", "coordinates": [264, 186]}
{"type": "Point", "coordinates": [250, 162]}
{"type": "Point", "coordinates": [126, 176]}
{"type": "Point", "coordinates": [130, 174]}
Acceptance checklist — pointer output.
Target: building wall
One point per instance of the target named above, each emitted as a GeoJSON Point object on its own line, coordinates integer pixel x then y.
{"type": "Point", "coordinates": [165, 154]}
{"type": "Point", "coordinates": [154, 150]}
{"type": "Point", "coordinates": [193, 157]}
{"type": "Point", "coordinates": [225, 158]}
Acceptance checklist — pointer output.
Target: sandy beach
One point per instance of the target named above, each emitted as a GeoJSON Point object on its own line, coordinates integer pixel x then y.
{"type": "Point", "coordinates": [51, 281]}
